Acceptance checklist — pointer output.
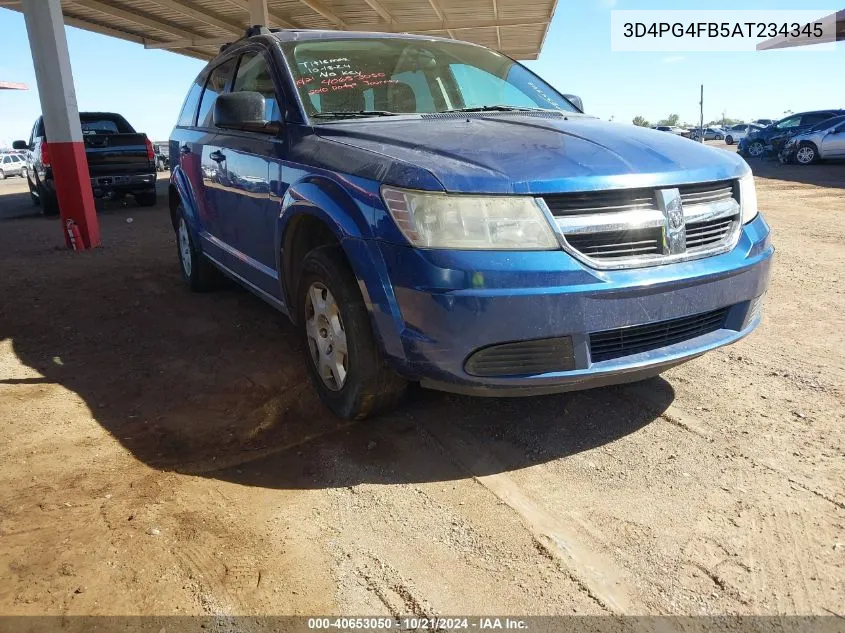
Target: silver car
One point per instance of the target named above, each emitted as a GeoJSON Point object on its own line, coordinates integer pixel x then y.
{"type": "Point", "coordinates": [735, 133]}
{"type": "Point", "coordinates": [12, 165]}
{"type": "Point", "coordinates": [822, 141]}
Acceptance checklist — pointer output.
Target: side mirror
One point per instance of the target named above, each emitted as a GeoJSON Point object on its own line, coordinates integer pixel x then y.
{"type": "Point", "coordinates": [243, 111]}
{"type": "Point", "coordinates": [20, 145]}
{"type": "Point", "coordinates": [576, 101]}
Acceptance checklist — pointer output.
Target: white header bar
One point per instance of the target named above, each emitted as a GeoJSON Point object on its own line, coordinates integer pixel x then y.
{"type": "Point", "coordinates": [719, 31]}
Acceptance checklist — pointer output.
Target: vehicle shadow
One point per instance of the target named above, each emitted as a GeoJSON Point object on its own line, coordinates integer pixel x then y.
{"type": "Point", "coordinates": [214, 384]}
{"type": "Point", "coordinates": [827, 174]}
{"type": "Point", "coordinates": [15, 203]}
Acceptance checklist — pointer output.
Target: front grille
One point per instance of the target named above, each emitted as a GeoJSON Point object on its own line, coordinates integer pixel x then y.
{"type": "Point", "coordinates": [705, 193]}
{"type": "Point", "coordinates": [704, 234]}
{"type": "Point", "coordinates": [625, 228]}
{"type": "Point", "coordinates": [523, 357]}
{"type": "Point", "coordinates": [600, 201]}
{"type": "Point", "coordinates": [626, 341]}
{"type": "Point", "coordinates": [610, 244]}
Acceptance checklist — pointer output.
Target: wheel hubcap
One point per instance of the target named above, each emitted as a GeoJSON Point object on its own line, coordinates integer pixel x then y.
{"type": "Point", "coordinates": [185, 247]}
{"type": "Point", "coordinates": [326, 336]}
{"type": "Point", "coordinates": [805, 155]}
{"type": "Point", "coordinates": [755, 149]}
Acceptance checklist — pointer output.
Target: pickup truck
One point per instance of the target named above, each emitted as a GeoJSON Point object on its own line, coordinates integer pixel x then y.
{"type": "Point", "coordinates": [430, 210]}
{"type": "Point", "coordinates": [120, 161]}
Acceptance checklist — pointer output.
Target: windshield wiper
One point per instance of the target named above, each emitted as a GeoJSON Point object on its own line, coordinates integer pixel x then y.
{"type": "Point", "coordinates": [499, 108]}
{"type": "Point", "coordinates": [357, 113]}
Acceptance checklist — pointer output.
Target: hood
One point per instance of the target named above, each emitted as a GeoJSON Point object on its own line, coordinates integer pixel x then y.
{"type": "Point", "coordinates": [515, 153]}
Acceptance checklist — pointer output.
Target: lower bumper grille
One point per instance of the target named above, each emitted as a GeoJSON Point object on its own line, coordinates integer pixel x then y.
{"type": "Point", "coordinates": [523, 357]}
{"type": "Point", "coordinates": [626, 341]}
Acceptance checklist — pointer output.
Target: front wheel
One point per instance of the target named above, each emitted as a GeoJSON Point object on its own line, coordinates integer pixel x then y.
{"type": "Point", "coordinates": [719, 137]}
{"type": "Point", "coordinates": [806, 154]}
{"type": "Point", "coordinates": [756, 149]}
{"type": "Point", "coordinates": [2, 175]}
{"type": "Point", "coordinates": [729, 140]}
{"type": "Point", "coordinates": [23, 173]}
{"type": "Point", "coordinates": [345, 364]}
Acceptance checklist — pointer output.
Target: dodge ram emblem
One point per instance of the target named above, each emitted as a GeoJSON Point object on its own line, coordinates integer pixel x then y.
{"type": "Point", "coordinates": [676, 216]}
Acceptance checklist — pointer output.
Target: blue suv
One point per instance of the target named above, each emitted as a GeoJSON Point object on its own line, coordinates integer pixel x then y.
{"type": "Point", "coordinates": [431, 210]}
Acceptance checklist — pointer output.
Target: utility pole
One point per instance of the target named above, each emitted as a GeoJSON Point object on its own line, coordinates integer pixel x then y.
{"type": "Point", "coordinates": [701, 120]}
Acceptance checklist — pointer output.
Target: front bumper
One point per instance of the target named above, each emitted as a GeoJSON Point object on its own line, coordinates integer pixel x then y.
{"type": "Point", "coordinates": [453, 303]}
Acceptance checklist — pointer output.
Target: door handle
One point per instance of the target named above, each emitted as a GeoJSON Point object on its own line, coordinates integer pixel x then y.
{"type": "Point", "coordinates": [217, 156]}
{"type": "Point", "coordinates": [184, 149]}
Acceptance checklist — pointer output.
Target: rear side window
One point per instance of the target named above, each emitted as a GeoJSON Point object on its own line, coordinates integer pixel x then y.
{"type": "Point", "coordinates": [815, 117]}
{"type": "Point", "coordinates": [216, 84]}
{"type": "Point", "coordinates": [254, 76]}
{"type": "Point", "coordinates": [189, 109]}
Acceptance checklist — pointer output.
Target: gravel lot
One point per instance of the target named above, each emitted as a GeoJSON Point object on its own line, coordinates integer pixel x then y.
{"type": "Point", "coordinates": [161, 452]}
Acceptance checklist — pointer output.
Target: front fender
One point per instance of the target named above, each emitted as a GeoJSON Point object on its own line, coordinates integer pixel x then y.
{"type": "Point", "coordinates": [350, 221]}
{"type": "Point", "coordinates": [180, 181]}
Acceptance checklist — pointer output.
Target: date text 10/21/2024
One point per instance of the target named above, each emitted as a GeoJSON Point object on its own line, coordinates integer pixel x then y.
{"type": "Point", "coordinates": [418, 622]}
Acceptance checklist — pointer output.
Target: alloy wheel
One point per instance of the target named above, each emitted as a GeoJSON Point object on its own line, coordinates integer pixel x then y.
{"type": "Point", "coordinates": [756, 148]}
{"type": "Point", "coordinates": [185, 248]}
{"type": "Point", "coordinates": [326, 336]}
{"type": "Point", "coordinates": [805, 155]}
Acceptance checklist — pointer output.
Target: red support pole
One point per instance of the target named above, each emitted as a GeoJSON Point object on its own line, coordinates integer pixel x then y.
{"type": "Point", "coordinates": [45, 27]}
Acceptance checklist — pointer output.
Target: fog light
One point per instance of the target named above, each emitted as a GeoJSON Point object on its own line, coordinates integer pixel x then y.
{"type": "Point", "coordinates": [540, 356]}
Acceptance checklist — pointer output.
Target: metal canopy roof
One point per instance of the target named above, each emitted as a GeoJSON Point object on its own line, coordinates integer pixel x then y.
{"type": "Point", "coordinates": [197, 27]}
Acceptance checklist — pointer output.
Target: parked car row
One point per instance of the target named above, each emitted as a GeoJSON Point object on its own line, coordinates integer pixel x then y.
{"type": "Point", "coordinates": [120, 160]}
{"type": "Point", "coordinates": [822, 125]}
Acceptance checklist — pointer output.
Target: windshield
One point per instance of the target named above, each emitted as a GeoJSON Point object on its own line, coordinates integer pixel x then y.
{"type": "Point", "coordinates": [342, 77]}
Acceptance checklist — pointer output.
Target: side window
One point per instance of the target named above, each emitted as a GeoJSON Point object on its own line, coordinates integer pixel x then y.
{"type": "Point", "coordinates": [254, 76]}
{"type": "Point", "coordinates": [816, 117]}
{"type": "Point", "coordinates": [216, 84]}
{"type": "Point", "coordinates": [189, 109]}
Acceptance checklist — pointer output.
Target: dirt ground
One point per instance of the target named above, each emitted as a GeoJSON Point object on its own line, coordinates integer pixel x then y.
{"type": "Point", "coordinates": [162, 453]}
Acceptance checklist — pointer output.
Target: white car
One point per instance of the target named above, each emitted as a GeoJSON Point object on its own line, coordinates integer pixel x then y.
{"type": "Point", "coordinates": [735, 133]}
{"type": "Point", "coordinates": [12, 165]}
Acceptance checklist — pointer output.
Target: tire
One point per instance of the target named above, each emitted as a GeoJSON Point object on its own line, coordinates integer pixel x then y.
{"type": "Point", "coordinates": [23, 173]}
{"type": "Point", "coordinates": [331, 310]}
{"type": "Point", "coordinates": [807, 153]}
{"type": "Point", "coordinates": [719, 137]}
{"type": "Point", "coordinates": [729, 140]}
{"type": "Point", "coordinates": [2, 175]}
{"type": "Point", "coordinates": [146, 198]}
{"type": "Point", "coordinates": [49, 201]}
{"type": "Point", "coordinates": [756, 149]}
{"type": "Point", "coordinates": [199, 274]}
{"type": "Point", "coordinates": [36, 201]}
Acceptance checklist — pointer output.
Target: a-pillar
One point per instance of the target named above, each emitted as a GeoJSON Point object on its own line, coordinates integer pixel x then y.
{"type": "Point", "coordinates": [48, 44]}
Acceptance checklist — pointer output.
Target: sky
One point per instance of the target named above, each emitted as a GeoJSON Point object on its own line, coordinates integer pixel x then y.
{"type": "Point", "coordinates": [148, 86]}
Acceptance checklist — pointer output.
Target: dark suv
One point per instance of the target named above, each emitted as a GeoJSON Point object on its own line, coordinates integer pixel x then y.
{"type": "Point", "coordinates": [771, 139]}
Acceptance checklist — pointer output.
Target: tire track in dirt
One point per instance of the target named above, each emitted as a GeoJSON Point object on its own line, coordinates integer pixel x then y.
{"type": "Point", "coordinates": [558, 537]}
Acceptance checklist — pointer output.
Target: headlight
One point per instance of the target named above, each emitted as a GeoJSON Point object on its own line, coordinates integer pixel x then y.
{"type": "Point", "coordinates": [748, 197]}
{"type": "Point", "coordinates": [436, 220]}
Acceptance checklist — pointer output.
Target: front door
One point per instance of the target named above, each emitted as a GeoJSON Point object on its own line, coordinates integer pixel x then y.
{"type": "Point", "coordinates": [833, 144]}
{"type": "Point", "coordinates": [244, 199]}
